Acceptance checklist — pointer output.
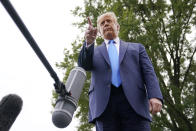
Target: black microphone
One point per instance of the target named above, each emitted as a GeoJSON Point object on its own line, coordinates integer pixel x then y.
{"type": "Point", "coordinates": [66, 105]}
{"type": "Point", "coordinates": [10, 107]}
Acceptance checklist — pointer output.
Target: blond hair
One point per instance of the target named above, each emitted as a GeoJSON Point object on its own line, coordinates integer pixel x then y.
{"type": "Point", "coordinates": [109, 14]}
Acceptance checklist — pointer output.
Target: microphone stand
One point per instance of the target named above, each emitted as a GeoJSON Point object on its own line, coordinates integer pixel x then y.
{"type": "Point", "coordinates": [59, 86]}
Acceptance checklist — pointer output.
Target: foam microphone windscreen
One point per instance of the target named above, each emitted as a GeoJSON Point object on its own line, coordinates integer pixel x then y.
{"type": "Point", "coordinates": [10, 107]}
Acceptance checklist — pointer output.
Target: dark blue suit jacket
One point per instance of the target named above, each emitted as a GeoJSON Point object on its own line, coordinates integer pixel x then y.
{"type": "Point", "coordinates": [139, 80]}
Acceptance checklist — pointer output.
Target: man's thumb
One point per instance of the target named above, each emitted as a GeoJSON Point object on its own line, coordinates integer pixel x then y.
{"type": "Point", "coordinates": [150, 107]}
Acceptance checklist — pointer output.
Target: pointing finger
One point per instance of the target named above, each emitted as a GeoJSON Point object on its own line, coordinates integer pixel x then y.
{"type": "Point", "coordinates": [89, 21]}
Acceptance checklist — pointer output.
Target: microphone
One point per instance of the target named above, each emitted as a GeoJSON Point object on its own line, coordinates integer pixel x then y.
{"type": "Point", "coordinates": [10, 107]}
{"type": "Point", "coordinates": [66, 105]}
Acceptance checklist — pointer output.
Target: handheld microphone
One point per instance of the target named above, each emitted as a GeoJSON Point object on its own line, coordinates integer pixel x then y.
{"type": "Point", "coordinates": [10, 107]}
{"type": "Point", "coordinates": [66, 105]}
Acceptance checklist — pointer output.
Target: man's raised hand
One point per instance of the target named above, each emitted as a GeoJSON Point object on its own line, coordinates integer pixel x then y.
{"type": "Point", "coordinates": [91, 33]}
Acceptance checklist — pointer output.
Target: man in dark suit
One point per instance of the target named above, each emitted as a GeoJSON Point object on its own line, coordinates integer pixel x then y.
{"type": "Point", "coordinates": [124, 88]}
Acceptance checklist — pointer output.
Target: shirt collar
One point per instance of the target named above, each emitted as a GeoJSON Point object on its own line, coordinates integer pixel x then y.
{"type": "Point", "coordinates": [116, 40]}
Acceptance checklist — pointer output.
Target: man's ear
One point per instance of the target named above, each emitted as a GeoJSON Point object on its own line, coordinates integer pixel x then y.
{"type": "Point", "coordinates": [118, 27]}
{"type": "Point", "coordinates": [99, 31]}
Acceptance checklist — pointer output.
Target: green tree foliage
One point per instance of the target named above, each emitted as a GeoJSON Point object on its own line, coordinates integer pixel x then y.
{"type": "Point", "coordinates": [164, 28]}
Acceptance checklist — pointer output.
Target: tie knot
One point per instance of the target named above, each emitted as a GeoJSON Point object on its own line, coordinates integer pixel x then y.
{"type": "Point", "coordinates": [111, 42]}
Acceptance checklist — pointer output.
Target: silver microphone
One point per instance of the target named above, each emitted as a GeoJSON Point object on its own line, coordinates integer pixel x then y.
{"type": "Point", "coordinates": [66, 106]}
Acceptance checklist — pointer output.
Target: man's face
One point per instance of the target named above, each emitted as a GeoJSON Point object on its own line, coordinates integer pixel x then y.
{"type": "Point", "coordinates": [108, 28]}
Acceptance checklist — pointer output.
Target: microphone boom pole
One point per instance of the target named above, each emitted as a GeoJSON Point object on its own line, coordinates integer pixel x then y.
{"type": "Point", "coordinates": [59, 86]}
{"type": "Point", "coordinates": [67, 100]}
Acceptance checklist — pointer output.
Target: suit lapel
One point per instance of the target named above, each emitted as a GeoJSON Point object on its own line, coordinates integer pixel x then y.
{"type": "Point", "coordinates": [104, 52]}
{"type": "Point", "coordinates": [122, 50]}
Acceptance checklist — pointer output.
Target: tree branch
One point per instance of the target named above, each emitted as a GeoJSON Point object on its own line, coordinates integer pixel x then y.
{"type": "Point", "coordinates": [189, 66]}
{"type": "Point", "coordinates": [180, 114]}
{"type": "Point", "coordinates": [184, 32]}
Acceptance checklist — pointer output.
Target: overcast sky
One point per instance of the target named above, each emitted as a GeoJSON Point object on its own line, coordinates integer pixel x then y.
{"type": "Point", "coordinates": [21, 72]}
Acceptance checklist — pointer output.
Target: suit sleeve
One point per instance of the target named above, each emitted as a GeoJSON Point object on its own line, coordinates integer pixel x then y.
{"type": "Point", "coordinates": [85, 59]}
{"type": "Point", "coordinates": [150, 79]}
